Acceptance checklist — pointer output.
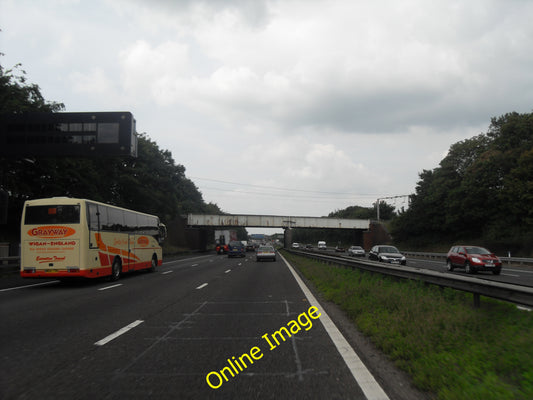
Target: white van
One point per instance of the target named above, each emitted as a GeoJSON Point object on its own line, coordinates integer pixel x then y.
{"type": "Point", "coordinates": [321, 245]}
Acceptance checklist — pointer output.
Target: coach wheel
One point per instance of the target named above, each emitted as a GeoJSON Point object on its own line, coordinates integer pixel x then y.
{"type": "Point", "coordinates": [115, 269]}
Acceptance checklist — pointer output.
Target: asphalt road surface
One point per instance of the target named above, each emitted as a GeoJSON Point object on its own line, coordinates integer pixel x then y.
{"type": "Point", "coordinates": [159, 335]}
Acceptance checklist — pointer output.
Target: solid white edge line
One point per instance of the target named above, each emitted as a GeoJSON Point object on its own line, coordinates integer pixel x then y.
{"type": "Point", "coordinates": [110, 287]}
{"type": "Point", "coordinates": [362, 375]}
{"type": "Point", "coordinates": [202, 286]}
{"type": "Point", "coordinates": [27, 286]}
{"type": "Point", "coordinates": [109, 338]}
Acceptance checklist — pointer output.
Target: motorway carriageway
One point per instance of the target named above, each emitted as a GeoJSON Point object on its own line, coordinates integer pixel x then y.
{"type": "Point", "coordinates": [159, 335]}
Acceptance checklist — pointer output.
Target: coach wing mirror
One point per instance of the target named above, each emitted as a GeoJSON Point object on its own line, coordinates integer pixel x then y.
{"type": "Point", "coordinates": [162, 232]}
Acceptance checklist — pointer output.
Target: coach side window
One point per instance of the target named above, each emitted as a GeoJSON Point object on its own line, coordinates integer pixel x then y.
{"type": "Point", "coordinates": [115, 220]}
{"type": "Point", "coordinates": [94, 220]}
{"type": "Point", "coordinates": [131, 224]}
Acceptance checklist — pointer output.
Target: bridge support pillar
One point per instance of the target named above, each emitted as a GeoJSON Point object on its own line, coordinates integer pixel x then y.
{"type": "Point", "coordinates": [287, 238]}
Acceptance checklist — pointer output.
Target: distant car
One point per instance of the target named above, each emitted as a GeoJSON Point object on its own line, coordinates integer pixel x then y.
{"type": "Point", "coordinates": [388, 254]}
{"type": "Point", "coordinates": [322, 245]}
{"type": "Point", "coordinates": [473, 259]}
{"type": "Point", "coordinates": [236, 249]}
{"type": "Point", "coordinates": [356, 251]}
{"type": "Point", "coordinates": [308, 246]}
{"type": "Point", "coordinates": [296, 245]}
{"type": "Point", "coordinates": [265, 253]}
{"type": "Point", "coordinates": [340, 249]}
{"type": "Point", "coordinates": [221, 248]}
{"type": "Point", "coordinates": [250, 247]}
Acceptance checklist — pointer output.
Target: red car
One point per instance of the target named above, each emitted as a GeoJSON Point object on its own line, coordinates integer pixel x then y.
{"type": "Point", "coordinates": [473, 259]}
{"type": "Point", "coordinates": [221, 248]}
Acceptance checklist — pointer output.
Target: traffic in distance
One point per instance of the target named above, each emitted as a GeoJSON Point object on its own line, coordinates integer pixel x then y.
{"type": "Point", "coordinates": [381, 253]}
{"type": "Point", "coordinates": [471, 259]}
{"type": "Point", "coordinates": [239, 248]}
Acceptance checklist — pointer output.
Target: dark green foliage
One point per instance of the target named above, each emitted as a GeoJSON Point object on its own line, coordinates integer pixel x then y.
{"type": "Point", "coordinates": [346, 238]}
{"type": "Point", "coordinates": [151, 183]}
{"type": "Point", "coordinates": [18, 96]}
{"type": "Point", "coordinates": [386, 212]}
{"type": "Point", "coordinates": [482, 191]}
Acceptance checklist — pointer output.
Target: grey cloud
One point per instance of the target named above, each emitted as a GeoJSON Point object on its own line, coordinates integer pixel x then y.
{"type": "Point", "coordinates": [254, 12]}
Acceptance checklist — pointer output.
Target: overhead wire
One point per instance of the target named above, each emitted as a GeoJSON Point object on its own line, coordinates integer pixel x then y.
{"type": "Point", "coordinates": [280, 195]}
{"type": "Point", "coordinates": [351, 194]}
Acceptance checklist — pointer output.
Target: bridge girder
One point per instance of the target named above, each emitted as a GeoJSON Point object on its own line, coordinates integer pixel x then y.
{"type": "Point", "coordinates": [274, 221]}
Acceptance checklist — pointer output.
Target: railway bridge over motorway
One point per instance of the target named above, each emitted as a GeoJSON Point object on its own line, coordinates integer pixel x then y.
{"type": "Point", "coordinates": [277, 221]}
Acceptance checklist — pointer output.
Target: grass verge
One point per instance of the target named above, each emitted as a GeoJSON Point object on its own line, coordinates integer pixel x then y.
{"type": "Point", "coordinates": [448, 347]}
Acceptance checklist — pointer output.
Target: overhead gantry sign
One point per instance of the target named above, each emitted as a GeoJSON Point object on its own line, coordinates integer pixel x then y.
{"type": "Point", "coordinates": [78, 134]}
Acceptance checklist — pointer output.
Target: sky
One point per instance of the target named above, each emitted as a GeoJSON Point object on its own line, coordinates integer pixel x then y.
{"type": "Point", "coordinates": [285, 107]}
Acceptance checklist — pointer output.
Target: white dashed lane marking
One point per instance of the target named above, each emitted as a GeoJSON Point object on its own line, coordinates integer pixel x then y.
{"type": "Point", "coordinates": [109, 338]}
{"type": "Point", "coordinates": [111, 287]}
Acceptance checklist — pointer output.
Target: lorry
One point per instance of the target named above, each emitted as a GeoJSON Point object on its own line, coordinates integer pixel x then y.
{"type": "Point", "coordinates": [222, 239]}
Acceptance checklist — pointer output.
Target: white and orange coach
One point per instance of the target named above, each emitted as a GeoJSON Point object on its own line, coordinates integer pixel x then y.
{"type": "Point", "coordinates": [65, 237]}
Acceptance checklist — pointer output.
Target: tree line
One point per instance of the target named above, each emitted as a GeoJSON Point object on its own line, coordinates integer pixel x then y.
{"type": "Point", "coordinates": [343, 237]}
{"type": "Point", "coordinates": [153, 182]}
{"type": "Point", "coordinates": [481, 192]}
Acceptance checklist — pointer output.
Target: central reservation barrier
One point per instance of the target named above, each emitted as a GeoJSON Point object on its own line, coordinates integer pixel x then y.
{"type": "Point", "coordinates": [522, 295]}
